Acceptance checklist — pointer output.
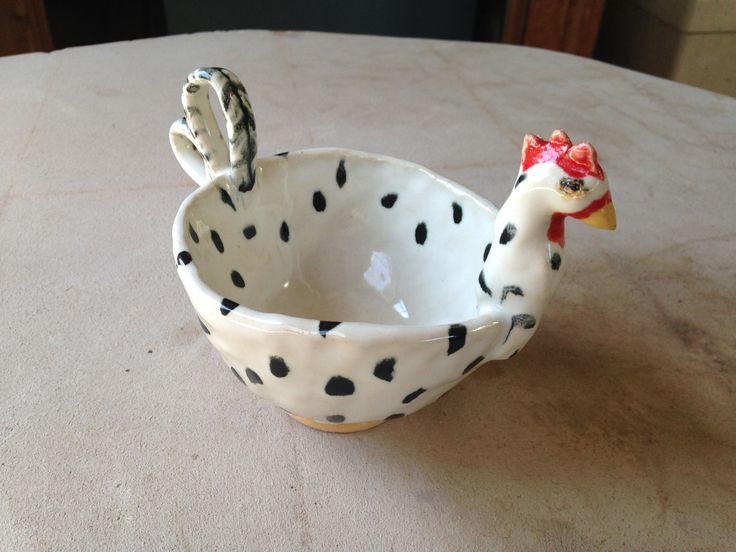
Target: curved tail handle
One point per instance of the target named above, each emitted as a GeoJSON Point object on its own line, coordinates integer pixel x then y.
{"type": "Point", "coordinates": [197, 140]}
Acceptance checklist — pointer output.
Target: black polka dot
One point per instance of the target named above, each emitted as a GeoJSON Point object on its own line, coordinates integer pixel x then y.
{"type": "Point", "coordinates": [246, 185]}
{"type": "Point", "coordinates": [284, 232]}
{"type": "Point", "coordinates": [227, 305]}
{"type": "Point", "coordinates": [385, 369]}
{"type": "Point", "coordinates": [521, 179]}
{"type": "Point", "coordinates": [388, 200]}
{"type": "Point", "coordinates": [395, 416]}
{"type": "Point", "coordinates": [192, 88]}
{"type": "Point", "coordinates": [183, 258]}
{"type": "Point", "coordinates": [225, 197]}
{"type": "Point", "coordinates": [237, 375]}
{"type": "Point", "coordinates": [283, 154]}
{"type": "Point", "coordinates": [249, 232]}
{"type": "Point", "coordinates": [335, 418]}
{"type": "Point", "coordinates": [473, 364]}
{"type": "Point", "coordinates": [526, 321]}
{"type": "Point", "coordinates": [555, 261]}
{"type": "Point", "coordinates": [318, 201]}
{"type": "Point", "coordinates": [420, 234]}
{"type": "Point", "coordinates": [326, 325]}
{"type": "Point", "coordinates": [486, 252]}
{"type": "Point", "coordinates": [341, 175]}
{"type": "Point", "coordinates": [523, 321]}
{"type": "Point", "coordinates": [205, 328]}
{"type": "Point", "coordinates": [237, 279]}
{"type": "Point", "coordinates": [413, 395]}
{"type": "Point", "coordinates": [278, 367]}
{"type": "Point", "coordinates": [508, 234]}
{"type": "Point", "coordinates": [252, 376]}
{"type": "Point", "coordinates": [339, 386]}
{"type": "Point", "coordinates": [514, 290]}
{"type": "Point", "coordinates": [456, 338]}
{"type": "Point", "coordinates": [193, 234]}
{"type": "Point", "coordinates": [217, 241]}
{"type": "Point", "coordinates": [483, 285]}
{"type": "Point", "coordinates": [457, 213]}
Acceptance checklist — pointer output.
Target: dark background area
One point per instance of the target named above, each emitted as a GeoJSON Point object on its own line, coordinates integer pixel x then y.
{"type": "Point", "coordinates": [44, 25]}
{"type": "Point", "coordinates": [76, 22]}
{"type": "Point", "coordinates": [79, 23]}
{"type": "Point", "coordinates": [667, 39]}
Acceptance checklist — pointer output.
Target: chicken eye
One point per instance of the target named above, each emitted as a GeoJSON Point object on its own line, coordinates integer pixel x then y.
{"type": "Point", "coordinates": [571, 185]}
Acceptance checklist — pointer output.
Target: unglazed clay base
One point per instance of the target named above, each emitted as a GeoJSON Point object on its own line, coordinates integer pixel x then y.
{"type": "Point", "coordinates": [336, 428]}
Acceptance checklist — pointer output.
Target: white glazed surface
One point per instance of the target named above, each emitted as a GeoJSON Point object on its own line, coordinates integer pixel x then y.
{"type": "Point", "coordinates": [396, 299]}
{"type": "Point", "coordinates": [348, 287]}
{"type": "Point", "coordinates": [344, 258]}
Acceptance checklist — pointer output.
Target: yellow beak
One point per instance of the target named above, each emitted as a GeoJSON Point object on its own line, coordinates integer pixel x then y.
{"type": "Point", "coordinates": [605, 217]}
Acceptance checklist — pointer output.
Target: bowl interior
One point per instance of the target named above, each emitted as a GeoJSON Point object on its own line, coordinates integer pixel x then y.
{"type": "Point", "coordinates": [344, 236]}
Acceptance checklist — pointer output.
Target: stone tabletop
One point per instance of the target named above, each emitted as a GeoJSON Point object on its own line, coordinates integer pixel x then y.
{"type": "Point", "coordinates": [121, 429]}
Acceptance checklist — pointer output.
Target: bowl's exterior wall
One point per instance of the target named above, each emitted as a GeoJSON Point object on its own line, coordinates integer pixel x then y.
{"type": "Point", "coordinates": [352, 372]}
{"type": "Point", "coordinates": [349, 374]}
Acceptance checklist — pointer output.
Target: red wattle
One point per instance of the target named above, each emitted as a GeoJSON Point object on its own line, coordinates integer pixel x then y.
{"type": "Point", "coordinates": [556, 230]}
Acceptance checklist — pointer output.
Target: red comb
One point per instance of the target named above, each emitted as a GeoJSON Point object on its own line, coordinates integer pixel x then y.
{"type": "Point", "coordinates": [577, 161]}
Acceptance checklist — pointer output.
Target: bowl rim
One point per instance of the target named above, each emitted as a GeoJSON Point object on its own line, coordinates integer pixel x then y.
{"type": "Point", "coordinates": [278, 322]}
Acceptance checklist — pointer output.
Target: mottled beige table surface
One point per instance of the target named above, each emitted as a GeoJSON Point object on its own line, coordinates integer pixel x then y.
{"type": "Point", "coordinates": [121, 429]}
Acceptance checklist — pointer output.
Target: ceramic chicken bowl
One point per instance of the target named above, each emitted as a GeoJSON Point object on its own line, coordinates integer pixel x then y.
{"type": "Point", "coordinates": [350, 288]}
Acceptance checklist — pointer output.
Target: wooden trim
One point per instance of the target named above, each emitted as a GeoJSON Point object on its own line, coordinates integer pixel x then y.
{"type": "Point", "coordinates": [564, 25]}
{"type": "Point", "coordinates": [24, 27]}
{"type": "Point", "coordinates": [514, 21]}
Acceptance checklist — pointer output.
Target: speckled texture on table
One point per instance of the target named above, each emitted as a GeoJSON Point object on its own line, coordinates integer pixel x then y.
{"type": "Point", "coordinates": [120, 428]}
